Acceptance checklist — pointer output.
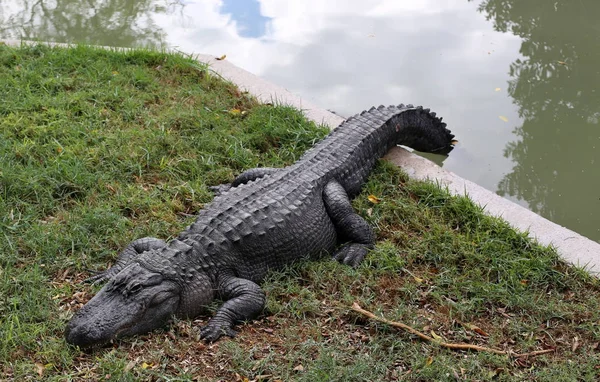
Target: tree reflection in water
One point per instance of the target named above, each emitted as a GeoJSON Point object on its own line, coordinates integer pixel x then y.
{"type": "Point", "coordinates": [124, 23]}
{"type": "Point", "coordinates": [556, 87]}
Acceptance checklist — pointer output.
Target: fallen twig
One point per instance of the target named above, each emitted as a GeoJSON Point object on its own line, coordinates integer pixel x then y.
{"type": "Point", "coordinates": [448, 345]}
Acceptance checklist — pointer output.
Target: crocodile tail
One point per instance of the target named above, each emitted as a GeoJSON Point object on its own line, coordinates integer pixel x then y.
{"type": "Point", "coordinates": [422, 130]}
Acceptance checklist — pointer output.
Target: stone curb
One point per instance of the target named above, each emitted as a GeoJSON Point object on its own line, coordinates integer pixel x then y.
{"type": "Point", "coordinates": [571, 246]}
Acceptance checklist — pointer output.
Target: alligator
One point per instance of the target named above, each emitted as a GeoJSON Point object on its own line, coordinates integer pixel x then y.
{"type": "Point", "coordinates": [265, 219]}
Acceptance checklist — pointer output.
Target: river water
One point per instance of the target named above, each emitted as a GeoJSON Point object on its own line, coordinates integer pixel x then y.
{"type": "Point", "coordinates": [517, 81]}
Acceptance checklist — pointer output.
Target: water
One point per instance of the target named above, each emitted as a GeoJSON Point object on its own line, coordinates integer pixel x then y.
{"type": "Point", "coordinates": [517, 81]}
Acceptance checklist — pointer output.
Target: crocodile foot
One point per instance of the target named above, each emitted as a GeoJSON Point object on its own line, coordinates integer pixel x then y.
{"type": "Point", "coordinates": [213, 331]}
{"type": "Point", "coordinates": [97, 278]}
{"type": "Point", "coordinates": [352, 254]}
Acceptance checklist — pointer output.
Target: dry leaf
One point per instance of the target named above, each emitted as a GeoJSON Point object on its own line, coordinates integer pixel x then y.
{"type": "Point", "coordinates": [221, 58]}
{"type": "Point", "coordinates": [146, 365]}
{"type": "Point", "coordinates": [476, 329]}
{"type": "Point", "coordinates": [115, 72]}
{"type": "Point", "coordinates": [497, 89]}
{"type": "Point", "coordinates": [575, 345]}
{"type": "Point", "coordinates": [39, 368]}
{"type": "Point", "coordinates": [453, 142]}
{"type": "Point", "coordinates": [369, 212]}
{"type": "Point", "coordinates": [129, 365]}
{"type": "Point", "coordinates": [435, 336]}
{"type": "Point", "coordinates": [263, 376]}
{"type": "Point", "coordinates": [373, 199]}
{"type": "Point", "coordinates": [503, 118]}
{"type": "Point", "coordinates": [418, 279]}
{"type": "Point", "coordinates": [235, 112]}
{"type": "Point", "coordinates": [562, 63]}
{"type": "Point", "coordinates": [429, 361]}
{"type": "Point", "coordinates": [299, 368]}
{"type": "Point", "coordinates": [480, 331]}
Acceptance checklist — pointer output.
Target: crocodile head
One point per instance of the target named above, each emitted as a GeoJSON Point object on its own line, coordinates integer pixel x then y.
{"type": "Point", "coordinates": [135, 301]}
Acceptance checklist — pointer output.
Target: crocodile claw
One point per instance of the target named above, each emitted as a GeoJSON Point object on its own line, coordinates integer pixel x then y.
{"type": "Point", "coordinates": [213, 331]}
{"type": "Point", "coordinates": [97, 278]}
{"type": "Point", "coordinates": [351, 254]}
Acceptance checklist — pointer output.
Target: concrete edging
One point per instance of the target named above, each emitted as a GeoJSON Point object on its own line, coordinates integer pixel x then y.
{"type": "Point", "coordinates": [571, 246]}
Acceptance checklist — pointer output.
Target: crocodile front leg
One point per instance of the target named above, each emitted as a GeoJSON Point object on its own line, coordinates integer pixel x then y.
{"type": "Point", "coordinates": [349, 225]}
{"type": "Point", "coordinates": [244, 301]}
{"type": "Point", "coordinates": [134, 249]}
{"type": "Point", "coordinates": [245, 177]}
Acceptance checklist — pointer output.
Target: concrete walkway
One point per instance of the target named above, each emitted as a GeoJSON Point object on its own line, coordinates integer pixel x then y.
{"type": "Point", "coordinates": [573, 247]}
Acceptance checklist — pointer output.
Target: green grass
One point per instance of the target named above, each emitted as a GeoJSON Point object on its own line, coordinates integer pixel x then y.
{"type": "Point", "coordinates": [99, 148]}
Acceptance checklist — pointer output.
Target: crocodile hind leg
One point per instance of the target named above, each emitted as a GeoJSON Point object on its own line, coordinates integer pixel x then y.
{"type": "Point", "coordinates": [349, 225]}
{"type": "Point", "coordinates": [244, 300]}
{"type": "Point", "coordinates": [245, 177]}
{"type": "Point", "coordinates": [134, 249]}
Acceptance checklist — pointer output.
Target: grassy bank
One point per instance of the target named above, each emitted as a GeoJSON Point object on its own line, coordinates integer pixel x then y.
{"type": "Point", "coordinates": [99, 148]}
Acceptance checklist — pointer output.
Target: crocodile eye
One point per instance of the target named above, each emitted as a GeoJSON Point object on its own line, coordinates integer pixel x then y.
{"type": "Point", "coordinates": [135, 289]}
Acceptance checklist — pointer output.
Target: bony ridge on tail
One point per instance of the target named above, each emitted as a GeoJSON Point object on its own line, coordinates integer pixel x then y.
{"type": "Point", "coordinates": [267, 218]}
